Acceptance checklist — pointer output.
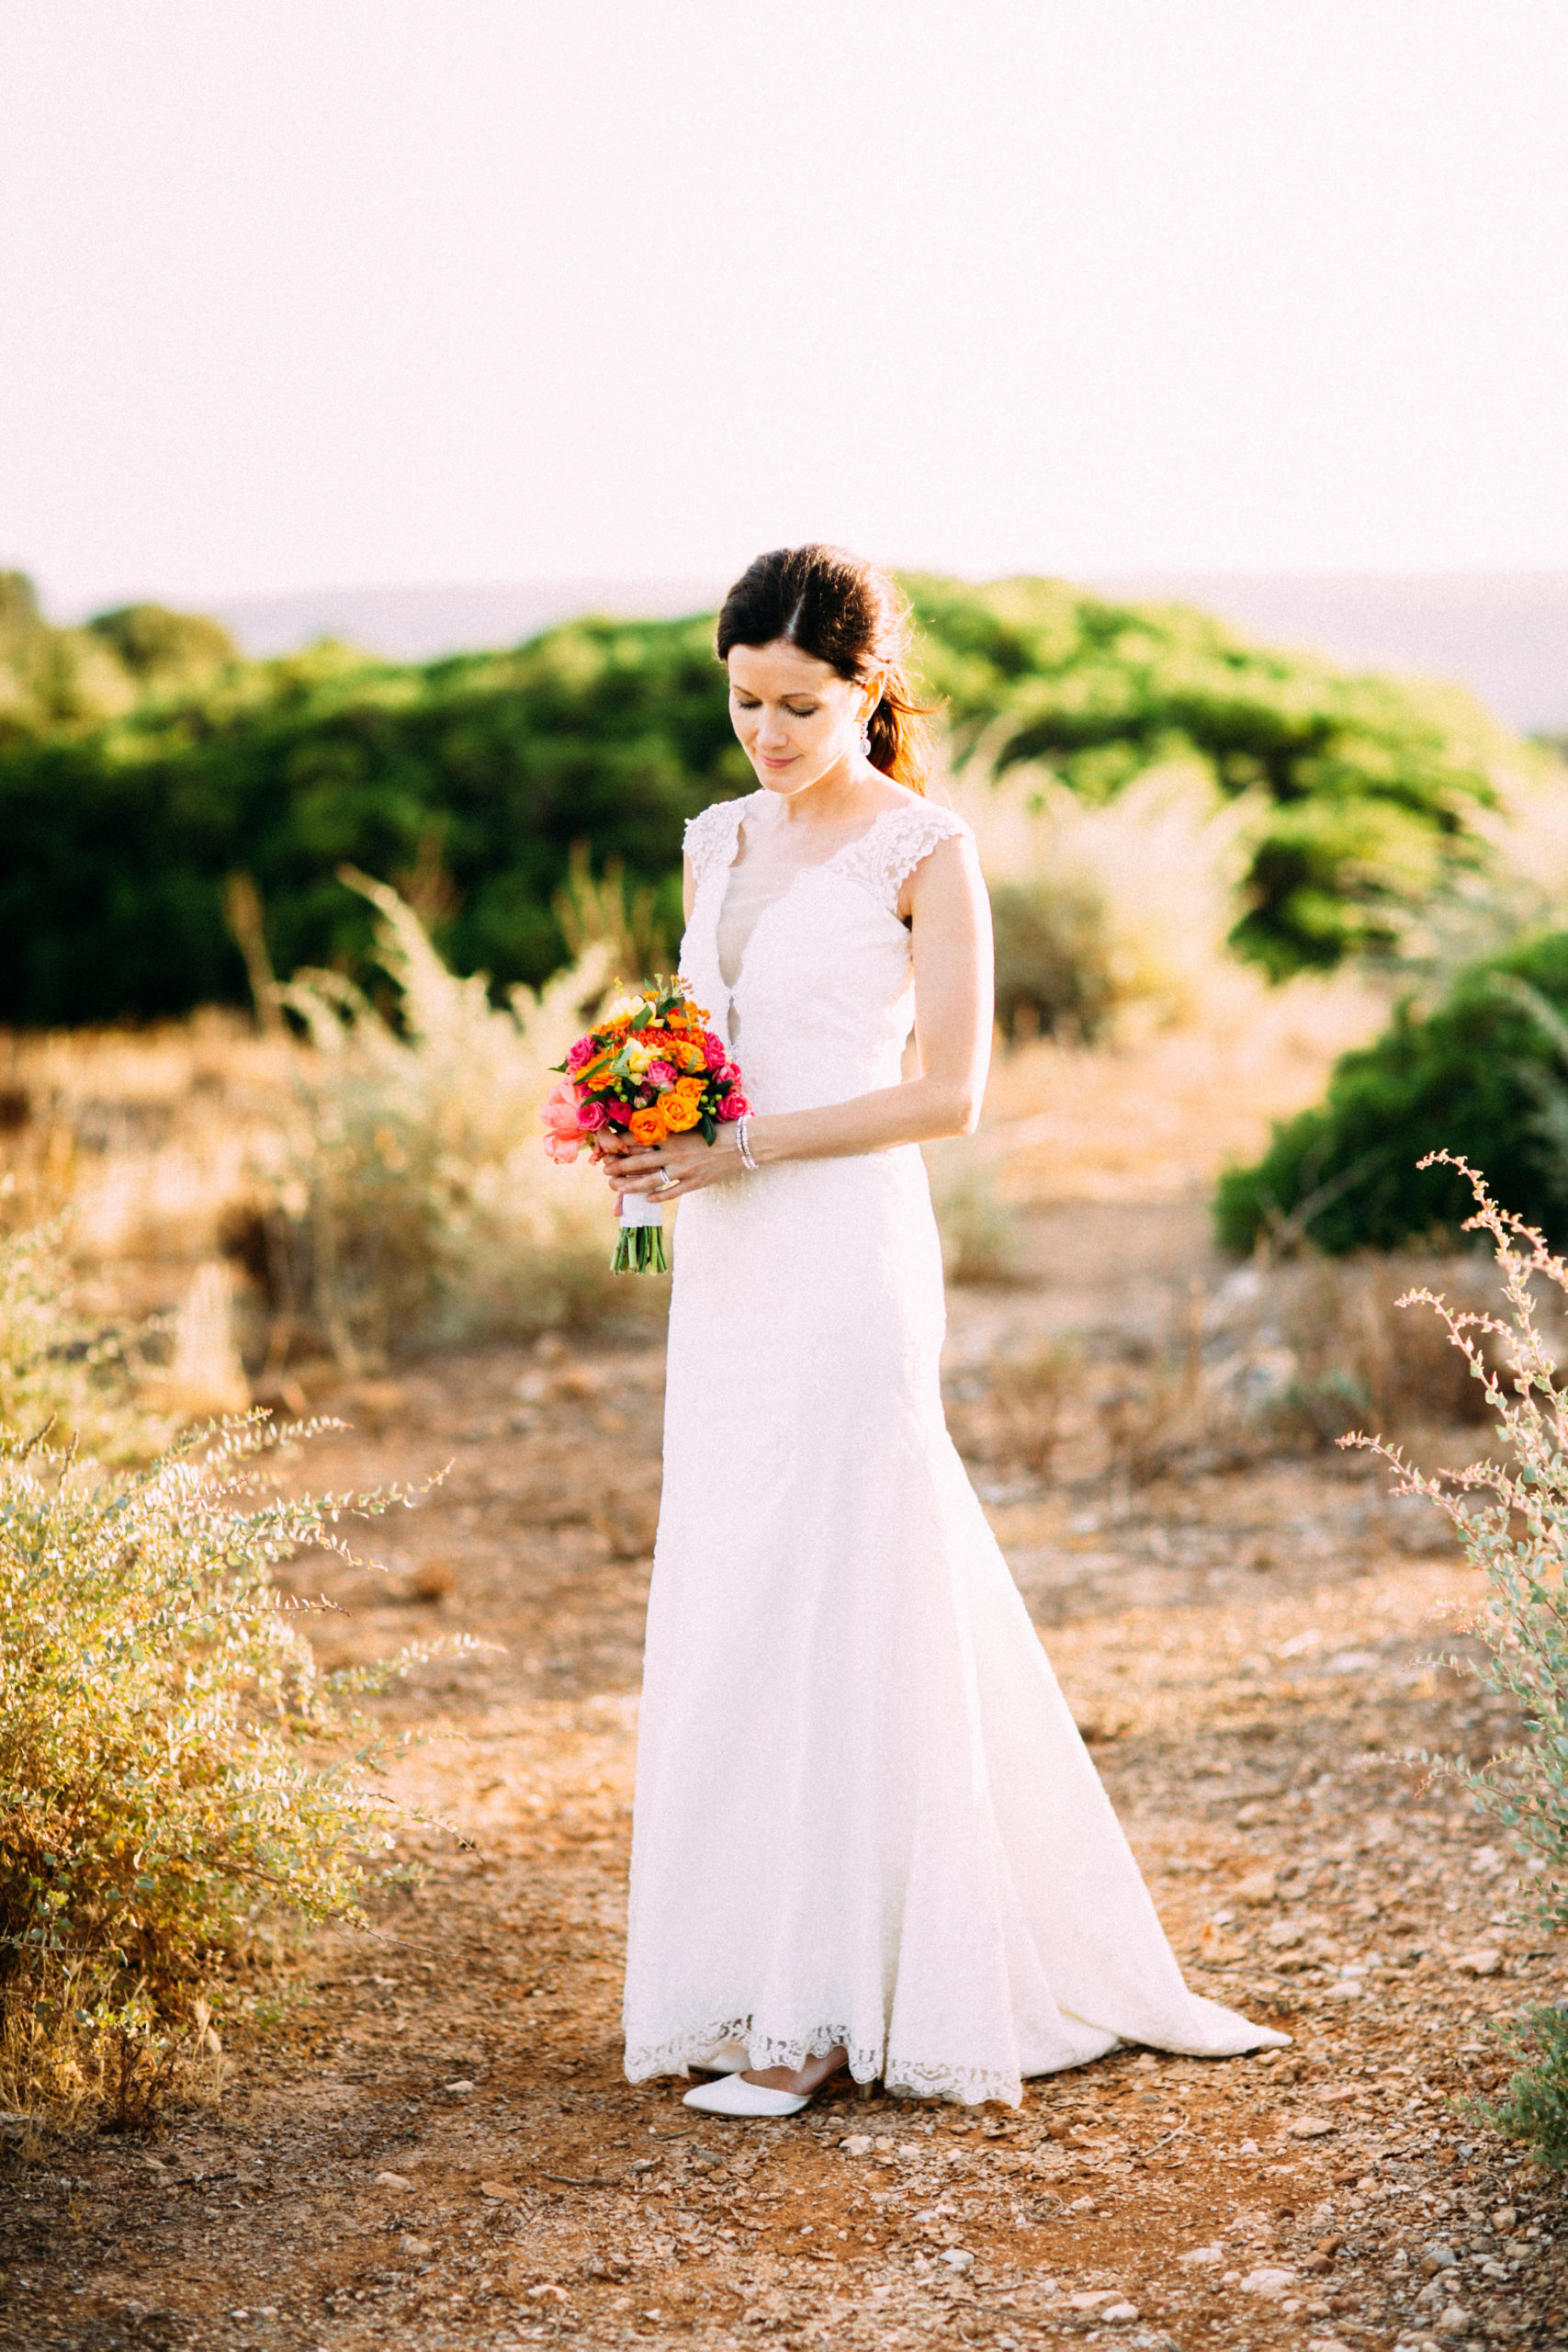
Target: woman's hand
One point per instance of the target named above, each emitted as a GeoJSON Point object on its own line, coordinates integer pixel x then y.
{"type": "Point", "coordinates": [680, 1164]}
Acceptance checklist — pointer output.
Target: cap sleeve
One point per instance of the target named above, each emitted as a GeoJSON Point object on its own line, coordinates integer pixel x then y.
{"type": "Point", "coordinates": [883, 859]}
{"type": "Point", "coordinates": [710, 836]}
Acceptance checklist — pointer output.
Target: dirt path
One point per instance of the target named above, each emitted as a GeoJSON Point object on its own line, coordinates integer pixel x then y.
{"type": "Point", "coordinates": [439, 2149]}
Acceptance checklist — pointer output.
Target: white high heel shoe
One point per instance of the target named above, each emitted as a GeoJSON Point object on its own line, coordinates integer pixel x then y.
{"type": "Point", "coordinates": [733, 2095]}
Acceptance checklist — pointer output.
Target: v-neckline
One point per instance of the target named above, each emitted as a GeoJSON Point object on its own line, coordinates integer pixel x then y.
{"type": "Point", "coordinates": [809, 865]}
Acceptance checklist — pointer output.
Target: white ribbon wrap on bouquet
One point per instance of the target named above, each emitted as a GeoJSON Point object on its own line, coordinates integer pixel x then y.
{"type": "Point", "coordinates": [640, 1208]}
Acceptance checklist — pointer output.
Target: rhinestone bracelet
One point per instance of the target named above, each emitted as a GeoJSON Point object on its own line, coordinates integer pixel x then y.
{"type": "Point", "coordinates": [743, 1145]}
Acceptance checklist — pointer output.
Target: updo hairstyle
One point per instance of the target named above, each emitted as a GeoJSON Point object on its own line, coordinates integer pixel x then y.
{"type": "Point", "coordinates": [850, 614]}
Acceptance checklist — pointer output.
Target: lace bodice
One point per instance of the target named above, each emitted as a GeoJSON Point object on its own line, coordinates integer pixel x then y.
{"type": "Point", "coordinates": [822, 999]}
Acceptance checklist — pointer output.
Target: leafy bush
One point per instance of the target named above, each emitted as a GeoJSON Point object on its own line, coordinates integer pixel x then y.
{"type": "Point", "coordinates": [1373, 784]}
{"type": "Point", "coordinates": [70, 677]}
{"type": "Point", "coordinates": [174, 1772]}
{"type": "Point", "coordinates": [413, 1194]}
{"type": "Point", "coordinates": [1474, 1074]}
{"type": "Point", "coordinates": [1515, 1540]}
{"type": "Point", "coordinates": [466, 782]}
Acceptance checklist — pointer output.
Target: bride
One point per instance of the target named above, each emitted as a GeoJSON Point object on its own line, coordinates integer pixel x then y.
{"type": "Point", "coordinates": [866, 1831]}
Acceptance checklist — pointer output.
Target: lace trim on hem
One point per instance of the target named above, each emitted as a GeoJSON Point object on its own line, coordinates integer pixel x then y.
{"type": "Point", "coordinates": [965, 2086]}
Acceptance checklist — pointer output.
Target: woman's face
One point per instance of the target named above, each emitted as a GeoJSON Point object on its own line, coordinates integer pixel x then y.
{"type": "Point", "coordinates": [797, 718]}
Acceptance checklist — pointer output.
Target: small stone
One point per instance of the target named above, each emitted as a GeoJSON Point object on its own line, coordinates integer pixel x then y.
{"type": "Point", "coordinates": [957, 2259]}
{"type": "Point", "coordinates": [1092, 2297]}
{"type": "Point", "coordinates": [1213, 1944]}
{"type": "Point", "coordinates": [1486, 1960]}
{"type": "Point", "coordinates": [1119, 2314]}
{"type": "Point", "coordinates": [391, 2180]}
{"type": "Point", "coordinates": [500, 2190]}
{"type": "Point", "coordinates": [856, 2144]}
{"type": "Point", "coordinates": [1285, 1935]}
{"type": "Point", "coordinates": [1268, 2283]}
{"type": "Point", "coordinates": [1504, 2219]}
{"type": "Point", "coordinates": [1310, 2127]}
{"type": "Point", "coordinates": [548, 2294]}
{"type": "Point", "coordinates": [1261, 1886]}
{"type": "Point", "coordinates": [409, 2244]}
{"type": "Point", "coordinates": [460, 2088]}
{"type": "Point", "coordinates": [1201, 2258]}
{"type": "Point", "coordinates": [1454, 2322]}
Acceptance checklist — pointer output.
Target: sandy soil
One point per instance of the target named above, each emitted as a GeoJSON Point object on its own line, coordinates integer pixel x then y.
{"type": "Point", "coordinates": [437, 2147]}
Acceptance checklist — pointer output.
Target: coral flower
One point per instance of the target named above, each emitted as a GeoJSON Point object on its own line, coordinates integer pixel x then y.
{"type": "Point", "coordinates": [563, 1134]}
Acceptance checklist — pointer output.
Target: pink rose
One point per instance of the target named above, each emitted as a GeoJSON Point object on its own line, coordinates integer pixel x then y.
{"type": "Point", "coordinates": [713, 1051]}
{"type": "Point", "coordinates": [583, 1051]}
{"type": "Point", "coordinates": [616, 1110]}
{"type": "Point", "coordinates": [662, 1074]}
{"type": "Point", "coordinates": [591, 1116]}
{"type": "Point", "coordinates": [733, 1106]}
{"type": "Point", "coordinates": [563, 1126]}
{"type": "Point", "coordinates": [726, 1074]}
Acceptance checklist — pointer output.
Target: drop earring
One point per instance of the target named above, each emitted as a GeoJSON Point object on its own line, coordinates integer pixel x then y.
{"type": "Point", "coordinates": [865, 738]}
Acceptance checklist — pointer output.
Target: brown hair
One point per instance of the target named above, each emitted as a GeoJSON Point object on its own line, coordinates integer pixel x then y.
{"type": "Point", "coordinates": [850, 614]}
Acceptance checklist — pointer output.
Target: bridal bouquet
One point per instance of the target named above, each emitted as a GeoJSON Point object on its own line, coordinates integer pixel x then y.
{"type": "Point", "coordinates": [651, 1068]}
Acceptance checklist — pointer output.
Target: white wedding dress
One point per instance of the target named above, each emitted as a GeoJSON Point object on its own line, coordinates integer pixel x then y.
{"type": "Point", "coordinates": [864, 1811]}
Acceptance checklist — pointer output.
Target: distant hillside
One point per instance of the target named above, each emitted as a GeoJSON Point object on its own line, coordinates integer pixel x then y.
{"type": "Point", "coordinates": [1503, 636]}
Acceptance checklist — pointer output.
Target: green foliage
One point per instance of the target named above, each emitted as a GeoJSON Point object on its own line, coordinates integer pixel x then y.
{"type": "Point", "coordinates": [1534, 2107]}
{"type": "Point", "coordinates": [173, 1771]}
{"type": "Point", "coordinates": [1515, 1540]}
{"type": "Point", "coordinates": [68, 678]}
{"type": "Point", "coordinates": [467, 782]}
{"type": "Point", "coordinates": [418, 1198]}
{"type": "Point", "coordinates": [1473, 1075]}
{"type": "Point", "coordinates": [1372, 782]}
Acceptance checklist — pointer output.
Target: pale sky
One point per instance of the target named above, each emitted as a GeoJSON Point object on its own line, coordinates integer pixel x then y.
{"type": "Point", "coordinates": [302, 293]}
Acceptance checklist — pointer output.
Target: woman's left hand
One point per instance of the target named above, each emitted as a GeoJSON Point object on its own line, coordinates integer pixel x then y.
{"type": "Point", "coordinates": [680, 1164]}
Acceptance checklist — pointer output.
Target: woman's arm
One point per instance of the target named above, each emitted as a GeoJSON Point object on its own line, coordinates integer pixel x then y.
{"type": "Point", "coordinates": [951, 924]}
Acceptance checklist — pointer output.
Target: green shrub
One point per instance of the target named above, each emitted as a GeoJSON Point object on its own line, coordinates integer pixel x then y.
{"type": "Point", "coordinates": [1515, 1539]}
{"type": "Point", "coordinates": [418, 1201]}
{"type": "Point", "coordinates": [173, 1771]}
{"type": "Point", "coordinates": [1473, 1075]}
{"type": "Point", "coordinates": [467, 783]}
{"type": "Point", "coordinates": [1534, 2107]}
{"type": "Point", "coordinates": [1372, 782]}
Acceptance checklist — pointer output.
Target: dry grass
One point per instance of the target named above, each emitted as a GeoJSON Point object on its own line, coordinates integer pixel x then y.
{"type": "Point", "coordinates": [1161, 1113]}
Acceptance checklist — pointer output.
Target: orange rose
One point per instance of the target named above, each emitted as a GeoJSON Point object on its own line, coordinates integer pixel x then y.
{"type": "Point", "coordinates": [691, 1057]}
{"type": "Point", "coordinates": [651, 1126]}
{"type": "Point", "coordinates": [680, 1113]}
